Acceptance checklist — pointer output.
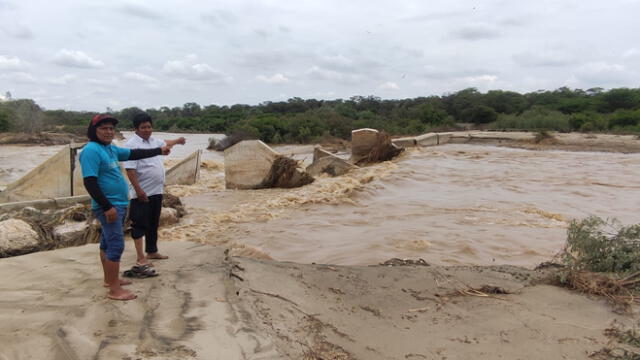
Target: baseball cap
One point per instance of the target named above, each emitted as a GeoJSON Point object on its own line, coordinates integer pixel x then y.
{"type": "Point", "coordinates": [102, 117]}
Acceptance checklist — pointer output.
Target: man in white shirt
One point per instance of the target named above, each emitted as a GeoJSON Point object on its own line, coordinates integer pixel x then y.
{"type": "Point", "coordinates": [147, 184]}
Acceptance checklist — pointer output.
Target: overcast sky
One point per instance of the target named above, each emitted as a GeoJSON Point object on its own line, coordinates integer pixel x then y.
{"type": "Point", "coordinates": [90, 55]}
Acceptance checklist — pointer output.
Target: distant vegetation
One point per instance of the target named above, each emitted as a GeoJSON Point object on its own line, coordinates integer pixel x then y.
{"type": "Point", "coordinates": [299, 121]}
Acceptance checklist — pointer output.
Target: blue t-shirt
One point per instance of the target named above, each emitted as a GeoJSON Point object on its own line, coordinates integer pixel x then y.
{"type": "Point", "coordinates": [101, 161]}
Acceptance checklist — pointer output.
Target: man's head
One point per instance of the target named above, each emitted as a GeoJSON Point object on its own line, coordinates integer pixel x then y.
{"type": "Point", "coordinates": [143, 125]}
{"type": "Point", "coordinates": [102, 128]}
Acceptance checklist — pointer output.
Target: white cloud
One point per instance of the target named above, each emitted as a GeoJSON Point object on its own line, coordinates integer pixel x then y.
{"type": "Point", "coordinates": [631, 53]}
{"type": "Point", "coordinates": [20, 77]}
{"type": "Point", "coordinates": [543, 59]}
{"type": "Point", "coordinates": [63, 80]}
{"type": "Point", "coordinates": [389, 85]}
{"type": "Point", "coordinates": [318, 73]}
{"type": "Point", "coordinates": [76, 58]}
{"type": "Point", "coordinates": [603, 73]}
{"type": "Point", "coordinates": [472, 32]}
{"type": "Point", "coordinates": [480, 79]}
{"type": "Point", "coordinates": [135, 76]}
{"type": "Point", "coordinates": [11, 63]}
{"type": "Point", "coordinates": [190, 69]}
{"type": "Point", "coordinates": [274, 79]}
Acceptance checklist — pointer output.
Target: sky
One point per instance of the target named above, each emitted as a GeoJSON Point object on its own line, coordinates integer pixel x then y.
{"type": "Point", "coordinates": [113, 54]}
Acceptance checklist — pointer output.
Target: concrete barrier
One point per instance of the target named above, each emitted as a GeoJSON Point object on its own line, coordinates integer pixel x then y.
{"type": "Point", "coordinates": [405, 141]}
{"type": "Point", "coordinates": [362, 141]}
{"type": "Point", "coordinates": [327, 163]}
{"type": "Point", "coordinates": [44, 204]}
{"type": "Point", "coordinates": [428, 139]}
{"type": "Point", "coordinates": [185, 172]}
{"type": "Point", "coordinates": [58, 176]}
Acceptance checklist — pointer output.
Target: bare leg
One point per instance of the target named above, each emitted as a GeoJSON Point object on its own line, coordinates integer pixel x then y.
{"type": "Point", "coordinates": [141, 258]}
{"type": "Point", "coordinates": [103, 259]}
{"type": "Point", "coordinates": [116, 292]}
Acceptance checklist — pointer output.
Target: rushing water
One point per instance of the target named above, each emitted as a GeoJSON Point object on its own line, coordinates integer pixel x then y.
{"type": "Point", "coordinates": [451, 204]}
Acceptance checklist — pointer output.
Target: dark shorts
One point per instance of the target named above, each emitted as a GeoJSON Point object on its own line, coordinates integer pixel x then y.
{"type": "Point", "coordinates": [112, 239]}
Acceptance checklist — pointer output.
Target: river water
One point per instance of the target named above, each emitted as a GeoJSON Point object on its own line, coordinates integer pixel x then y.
{"type": "Point", "coordinates": [451, 204]}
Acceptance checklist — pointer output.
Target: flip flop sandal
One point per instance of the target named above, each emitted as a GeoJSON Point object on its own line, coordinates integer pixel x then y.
{"type": "Point", "coordinates": [144, 271]}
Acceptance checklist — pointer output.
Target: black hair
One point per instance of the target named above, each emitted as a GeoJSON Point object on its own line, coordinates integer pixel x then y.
{"type": "Point", "coordinates": [91, 130]}
{"type": "Point", "coordinates": [141, 118]}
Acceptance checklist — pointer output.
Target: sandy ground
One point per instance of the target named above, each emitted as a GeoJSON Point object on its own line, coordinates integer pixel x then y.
{"type": "Point", "coordinates": [205, 305]}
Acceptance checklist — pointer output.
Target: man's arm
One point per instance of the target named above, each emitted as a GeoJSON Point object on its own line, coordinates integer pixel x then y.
{"type": "Point", "coordinates": [133, 179]}
{"type": "Point", "coordinates": [137, 154]}
{"type": "Point", "coordinates": [181, 140]}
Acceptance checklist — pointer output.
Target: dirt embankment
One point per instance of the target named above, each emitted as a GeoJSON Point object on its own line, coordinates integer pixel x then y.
{"type": "Point", "coordinates": [566, 141]}
{"type": "Point", "coordinates": [43, 138]}
{"type": "Point", "coordinates": [207, 305]}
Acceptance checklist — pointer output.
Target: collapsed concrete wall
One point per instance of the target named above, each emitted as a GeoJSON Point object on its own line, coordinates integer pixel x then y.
{"type": "Point", "coordinates": [53, 178]}
{"type": "Point", "coordinates": [185, 172]}
{"type": "Point", "coordinates": [325, 162]}
{"type": "Point", "coordinates": [252, 164]}
{"type": "Point", "coordinates": [371, 146]}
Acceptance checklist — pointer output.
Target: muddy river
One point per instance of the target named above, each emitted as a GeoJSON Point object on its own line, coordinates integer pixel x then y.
{"type": "Point", "coordinates": [452, 204]}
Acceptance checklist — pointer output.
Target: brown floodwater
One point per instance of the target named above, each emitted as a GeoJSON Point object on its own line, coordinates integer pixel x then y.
{"type": "Point", "coordinates": [451, 204]}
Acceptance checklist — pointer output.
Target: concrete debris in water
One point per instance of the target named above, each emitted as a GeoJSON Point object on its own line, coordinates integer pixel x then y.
{"type": "Point", "coordinates": [325, 162]}
{"type": "Point", "coordinates": [251, 164]}
{"type": "Point", "coordinates": [371, 146]}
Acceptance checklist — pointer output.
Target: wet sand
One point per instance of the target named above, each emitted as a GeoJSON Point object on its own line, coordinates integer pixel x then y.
{"type": "Point", "coordinates": [207, 306]}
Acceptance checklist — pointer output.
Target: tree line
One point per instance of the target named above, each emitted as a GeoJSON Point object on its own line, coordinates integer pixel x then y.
{"type": "Point", "coordinates": [303, 120]}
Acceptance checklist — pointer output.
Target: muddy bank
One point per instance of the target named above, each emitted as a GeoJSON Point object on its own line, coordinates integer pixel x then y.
{"type": "Point", "coordinates": [205, 305]}
{"type": "Point", "coordinates": [563, 141]}
{"type": "Point", "coordinates": [43, 138]}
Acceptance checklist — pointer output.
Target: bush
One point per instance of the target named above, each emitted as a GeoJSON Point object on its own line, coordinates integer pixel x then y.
{"type": "Point", "coordinates": [536, 118]}
{"type": "Point", "coordinates": [598, 245]}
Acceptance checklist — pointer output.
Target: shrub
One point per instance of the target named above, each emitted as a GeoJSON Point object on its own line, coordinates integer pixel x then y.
{"type": "Point", "coordinates": [598, 245]}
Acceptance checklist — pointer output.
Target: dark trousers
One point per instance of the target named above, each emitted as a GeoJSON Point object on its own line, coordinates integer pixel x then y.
{"type": "Point", "coordinates": [145, 218]}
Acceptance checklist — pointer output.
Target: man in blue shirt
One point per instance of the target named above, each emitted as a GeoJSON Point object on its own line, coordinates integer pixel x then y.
{"type": "Point", "coordinates": [109, 194]}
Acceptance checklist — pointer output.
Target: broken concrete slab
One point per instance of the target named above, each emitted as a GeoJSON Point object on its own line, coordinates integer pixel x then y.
{"type": "Point", "coordinates": [428, 139]}
{"type": "Point", "coordinates": [70, 233]}
{"type": "Point", "coordinates": [185, 172]}
{"type": "Point", "coordinates": [58, 176]}
{"type": "Point", "coordinates": [319, 153]}
{"type": "Point", "coordinates": [362, 141]}
{"type": "Point", "coordinates": [252, 164]}
{"type": "Point", "coordinates": [17, 237]}
{"type": "Point", "coordinates": [409, 141]}
{"type": "Point", "coordinates": [325, 162]}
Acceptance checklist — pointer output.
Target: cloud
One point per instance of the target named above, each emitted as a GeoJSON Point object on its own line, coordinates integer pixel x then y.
{"type": "Point", "coordinates": [436, 16]}
{"type": "Point", "coordinates": [140, 11]}
{"type": "Point", "coordinates": [473, 32]}
{"type": "Point", "coordinates": [480, 79]}
{"type": "Point", "coordinates": [389, 85]}
{"type": "Point", "coordinates": [318, 73]}
{"type": "Point", "coordinates": [602, 73]}
{"type": "Point", "coordinates": [63, 80]}
{"type": "Point", "coordinates": [543, 59]}
{"type": "Point", "coordinates": [17, 31]}
{"type": "Point", "coordinates": [631, 53]}
{"type": "Point", "coordinates": [135, 76]}
{"type": "Point", "coordinates": [337, 62]}
{"type": "Point", "coordinates": [219, 18]}
{"type": "Point", "coordinates": [190, 69]}
{"type": "Point", "coordinates": [77, 59]}
{"type": "Point", "coordinates": [276, 79]}
{"type": "Point", "coordinates": [21, 77]}
{"type": "Point", "coordinates": [11, 63]}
